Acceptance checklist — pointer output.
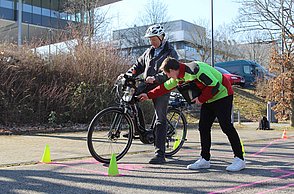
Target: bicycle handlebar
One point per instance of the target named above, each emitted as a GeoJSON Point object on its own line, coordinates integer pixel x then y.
{"type": "Point", "coordinates": [129, 89]}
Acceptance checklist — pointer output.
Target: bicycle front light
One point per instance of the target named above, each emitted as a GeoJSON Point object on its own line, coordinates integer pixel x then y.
{"type": "Point", "coordinates": [128, 94]}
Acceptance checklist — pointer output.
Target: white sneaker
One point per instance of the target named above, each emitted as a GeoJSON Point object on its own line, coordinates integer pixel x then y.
{"type": "Point", "coordinates": [200, 163]}
{"type": "Point", "coordinates": [236, 165]}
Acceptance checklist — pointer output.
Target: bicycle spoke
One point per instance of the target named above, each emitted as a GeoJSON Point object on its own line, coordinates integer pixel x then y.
{"type": "Point", "coordinates": [176, 132]}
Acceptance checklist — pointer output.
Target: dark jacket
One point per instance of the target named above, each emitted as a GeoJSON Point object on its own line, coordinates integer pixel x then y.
{"type": "Point", "coordinates": [149, 65]}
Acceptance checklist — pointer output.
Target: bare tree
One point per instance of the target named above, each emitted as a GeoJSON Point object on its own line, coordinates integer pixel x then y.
{"type": "Point", "coordinates": [275, 17]}
{"type": "Point", "coordinates": [199, 40]}
{"type": "Point", "coordinates": [256, 49]}
{"type": "Point", "coordinates": [272, 16]}
{"type": "Point", "coordinates": [87, 20]}
{"type": "Point", "coordinates": [225, 44]}
{"type": "Point", "coordinates": [155, 12]}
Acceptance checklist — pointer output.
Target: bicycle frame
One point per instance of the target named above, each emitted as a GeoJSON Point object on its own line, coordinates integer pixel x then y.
{"type": "Point", "coordinates": [178, 102]}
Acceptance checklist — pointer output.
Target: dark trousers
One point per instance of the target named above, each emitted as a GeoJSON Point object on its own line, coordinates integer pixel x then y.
{"type": "Point", "coordinates": [160, 106]}
{"type": "Point", "coordinates": [220, 109]}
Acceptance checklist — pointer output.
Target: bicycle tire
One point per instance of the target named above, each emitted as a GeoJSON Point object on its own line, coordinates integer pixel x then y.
{"type": "Point", "coordinates": [176, 131]}
{"type": "Point", "coordinates": [104, 139]}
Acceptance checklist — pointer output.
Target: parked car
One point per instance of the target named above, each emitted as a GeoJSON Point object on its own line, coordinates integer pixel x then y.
{"type": "Point", "coordinates": [233, 78]}
{"type": "Point", "coordinates": [250, 70]}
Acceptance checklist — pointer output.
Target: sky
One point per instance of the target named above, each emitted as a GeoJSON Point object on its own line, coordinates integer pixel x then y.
{"type": "Point", "coordinates": [125, 12]}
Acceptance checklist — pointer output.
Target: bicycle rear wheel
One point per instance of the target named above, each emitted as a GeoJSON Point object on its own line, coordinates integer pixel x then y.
{"type": "Point", "coordinates": [176, 131]}
{"type": "Point", "coordinates": [105, 134]}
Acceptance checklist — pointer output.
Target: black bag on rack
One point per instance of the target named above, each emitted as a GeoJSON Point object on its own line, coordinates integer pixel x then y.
{"type": "Point", "coordinates": [189, 91]}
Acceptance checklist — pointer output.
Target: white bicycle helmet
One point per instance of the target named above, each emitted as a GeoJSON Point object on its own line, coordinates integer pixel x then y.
{"type": "Point", "coordinates": [154, 30]}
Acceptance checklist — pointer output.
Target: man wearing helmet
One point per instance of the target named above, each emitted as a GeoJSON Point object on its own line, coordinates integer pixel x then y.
{"type": "Point", "coordinates": [148, 64]}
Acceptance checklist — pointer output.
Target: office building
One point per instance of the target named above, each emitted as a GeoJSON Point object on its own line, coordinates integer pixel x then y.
{"type": "Point", "coordinates": [27, 20]}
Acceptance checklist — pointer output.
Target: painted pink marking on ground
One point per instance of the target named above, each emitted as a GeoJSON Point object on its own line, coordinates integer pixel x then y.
{"type": "Point", "coordinates": [77, 168]}
{"type": "Point", "coordinates": [282, 171]}
{"type": "Point", "coordinates": [129, 167]}
{"type": "Point", "coordinates": [120, 166]}
{"type": "Point", "coordinates": [251, 184]}
{"type": "Point", "coordinates": [264, 148]}
{"type": "Point", "coordinates": [289, 173]}
{"type": "Point", "coordinates": [90, 161]}
{"type": "Point", "coordinates": [278, 188]}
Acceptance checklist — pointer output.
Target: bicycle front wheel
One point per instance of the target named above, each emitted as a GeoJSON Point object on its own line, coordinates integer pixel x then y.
{"type": "Point", "coordinates": [176, 131]}
{"type": "Point", "coordinates": [110, 132]}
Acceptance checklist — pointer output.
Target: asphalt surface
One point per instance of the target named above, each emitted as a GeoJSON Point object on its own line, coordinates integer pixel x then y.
{"type": "Point", "coordinates": [269, 159]}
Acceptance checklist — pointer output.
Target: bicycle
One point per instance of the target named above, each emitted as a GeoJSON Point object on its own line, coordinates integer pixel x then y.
{"type": "Point", "coordinates": [113, 129]}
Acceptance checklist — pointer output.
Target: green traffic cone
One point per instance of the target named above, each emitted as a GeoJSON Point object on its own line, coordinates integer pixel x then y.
{"type": "Point", "coordinates": [113, 169]}
{"type": "Point", "coordinates": [46, 155]}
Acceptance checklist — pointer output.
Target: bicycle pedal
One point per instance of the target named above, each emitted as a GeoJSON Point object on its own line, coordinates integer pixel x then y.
{"type": "Point", "coordinates": [136, 137]}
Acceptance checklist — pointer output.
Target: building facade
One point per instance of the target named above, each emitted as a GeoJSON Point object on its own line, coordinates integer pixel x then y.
{"type": "Point", "coordinates": [24, 20]}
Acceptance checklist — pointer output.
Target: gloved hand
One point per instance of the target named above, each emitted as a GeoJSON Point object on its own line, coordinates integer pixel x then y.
{"type": "Point", "coordinates": [150, 79]}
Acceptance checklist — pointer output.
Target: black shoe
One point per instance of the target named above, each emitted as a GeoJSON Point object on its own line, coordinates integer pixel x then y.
{"type": "Point", "coordinates": [157, 160]}
{"type": "Point", "coordinates": [126, 135]}
{"type": "Point", "coordinates": [135, 136]}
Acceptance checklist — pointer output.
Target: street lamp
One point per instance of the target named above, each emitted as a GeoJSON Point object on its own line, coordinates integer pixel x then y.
{"type": "Point", "coordinates": [19, 24]}
{"type": "Point", "coordinates": [212, 39]}
{"type": "Point", "coordinates": [283, 27]}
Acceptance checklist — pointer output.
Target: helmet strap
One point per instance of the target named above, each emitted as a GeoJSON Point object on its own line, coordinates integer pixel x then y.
{"type": "Point", "coordinates": [161, 40]}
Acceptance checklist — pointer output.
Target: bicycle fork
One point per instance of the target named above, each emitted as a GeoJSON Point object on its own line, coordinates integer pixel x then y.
{"type": "Point", "coordinates": [114, 131]}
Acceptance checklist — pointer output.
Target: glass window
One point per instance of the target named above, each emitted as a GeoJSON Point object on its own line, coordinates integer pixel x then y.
{"type": "Point", "coordinates": [37, 19]}
{"type": "Point", "coordinates": [46, 21]}
{"type": "Point", "coordinates": [27, 17]}
{"type": "Point", "coordinates": [223, 71]}
{"type": "Point", "coordinates": [37, 10]}
{"type": "Point", "coordinates": [27, 8]}
{"type": "Point", "coordinates": [27, 12]}
{"type": "Point", "coordinates": [180, 45]}
{"type": "Point", "coordinates": [55, 5]}
{"type": "Point", "coordinates": [7, 10]}
{"type": "Point", "coordinates": [63, 16]}
{"type": "Point", "coordinates": [46, 4]}
{"type": "Point", "coordinates": [45, 12]}
{"type": "Point", "coordinates": [54, 14]}
{"type": "Point", "coordinates": [247, 69]}
{"type": "Point", "coordinates": [7, 4]}
{"type": "Point", "coordinates": [36, 3]}
{"type": "Point", "coordinates": [234, 69]}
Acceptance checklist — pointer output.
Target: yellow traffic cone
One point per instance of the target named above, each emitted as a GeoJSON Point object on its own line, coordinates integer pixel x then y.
{"type": "Point", "coordinates": [243, 149]}
{"type": "Point", "coordinates": [46, 155]}
{"type": "Point", "coordinates": [113, 169]}
{"type": "Point", "coordinates": [176, 144]}
{"type": "Point", "coordinates": [284, 135]}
